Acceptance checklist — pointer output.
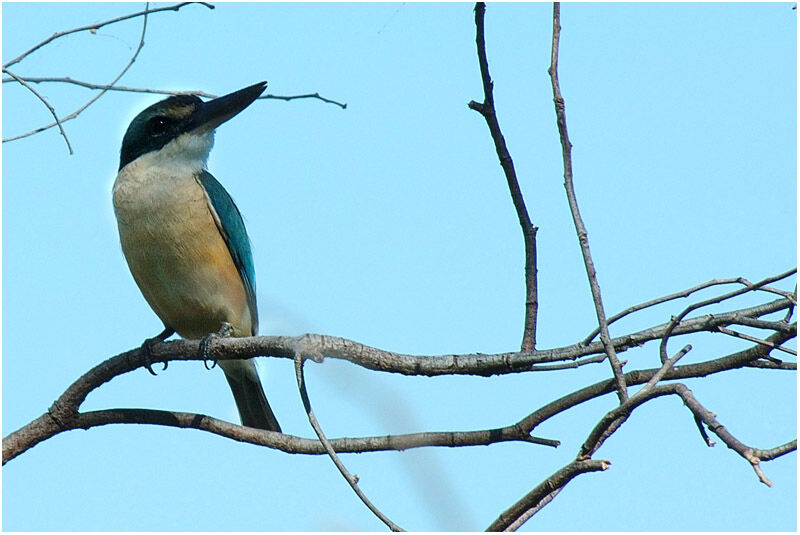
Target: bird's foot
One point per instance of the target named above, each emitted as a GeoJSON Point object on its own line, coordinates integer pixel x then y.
{"type": "Point", "coordinates": [205, 343]}
{"type": "Point", "coordinates": [147, 348]}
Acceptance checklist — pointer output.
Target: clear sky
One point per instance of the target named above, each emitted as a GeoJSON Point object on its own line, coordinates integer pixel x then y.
{"type": "Point", "coordinates": [390, 223]}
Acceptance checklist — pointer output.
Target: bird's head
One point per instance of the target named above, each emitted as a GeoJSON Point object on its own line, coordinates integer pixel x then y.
{"type": "Point", "coordinates": [181, 128]}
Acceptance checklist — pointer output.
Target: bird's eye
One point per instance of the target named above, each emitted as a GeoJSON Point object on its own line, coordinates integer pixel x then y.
{"type": "Point", "coordinates": [158, 125]}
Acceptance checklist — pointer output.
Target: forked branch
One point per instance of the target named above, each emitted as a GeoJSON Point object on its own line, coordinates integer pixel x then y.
{"type": "Point", "coordinates": [487, 110]}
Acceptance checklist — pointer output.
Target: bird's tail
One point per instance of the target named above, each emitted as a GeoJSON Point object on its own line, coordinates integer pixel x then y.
{"type": "Point", "coordinates": [250, 399]}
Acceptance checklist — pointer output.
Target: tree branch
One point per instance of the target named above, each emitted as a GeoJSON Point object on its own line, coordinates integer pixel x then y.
{"type": "Point", "coordinates": [97, 26]}
{"type": "Point", "coordinates": [715, 300]}
{"type": "Point", "coordinates": [46, 426]}
{"type": "Point", "coordinates": [580, 228]}
{"type": "Point", "coordinates": [101, 93]}
{"type": "Point", "coordinates": [90, 85]}
{"type": "Point", "coordinates": [63, 415]}
{"type": "Point", "coordinates": [555, 482]}
{"type": "Point", "coordinates": [50, 108]}
{"type": "Point", "coordinates": [350, 478]}
{"type": "Point", "coordinates": [752, 455]}
{"type": "Point", "coordinates": [541, 495]}
{"type": "Point", "coordinates": [487, 110]}
{"type": "Point", "coordinates": [678, 295]}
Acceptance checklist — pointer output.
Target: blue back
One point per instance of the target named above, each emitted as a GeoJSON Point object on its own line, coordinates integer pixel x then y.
{"type": "Point", "coordinates": [235, 235]}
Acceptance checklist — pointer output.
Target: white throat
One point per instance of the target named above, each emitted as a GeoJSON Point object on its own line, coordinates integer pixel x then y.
{"type": "Point", "coordinates": [186, 153]}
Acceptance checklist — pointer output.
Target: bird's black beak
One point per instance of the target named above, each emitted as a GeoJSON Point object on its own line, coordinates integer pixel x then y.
{"type": "Point", "coordinates": [213, 113]}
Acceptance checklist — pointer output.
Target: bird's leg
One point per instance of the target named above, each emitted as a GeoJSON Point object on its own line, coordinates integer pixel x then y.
{"type": "Point", "coordinates": [147, 347]}
{"type": "Point", "coordinates": [205, 343]}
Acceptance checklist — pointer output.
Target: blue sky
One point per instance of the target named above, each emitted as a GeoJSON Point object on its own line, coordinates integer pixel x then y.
{"type": "Point", "coordinates": [390, 223]}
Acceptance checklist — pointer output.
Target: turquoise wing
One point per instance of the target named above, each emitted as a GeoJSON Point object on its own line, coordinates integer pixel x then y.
{"type": "Point", "coordinates": [235, 234]}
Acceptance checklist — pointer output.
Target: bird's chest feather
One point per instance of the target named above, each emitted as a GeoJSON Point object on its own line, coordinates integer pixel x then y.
{"type": "Point", "coordinates": [175, 251]}
{"type": "Point", "coordinates": [159, 206]}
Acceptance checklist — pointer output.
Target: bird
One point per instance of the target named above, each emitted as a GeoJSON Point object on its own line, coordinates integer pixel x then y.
{"type": "Point", "coordinates": [184, 238]}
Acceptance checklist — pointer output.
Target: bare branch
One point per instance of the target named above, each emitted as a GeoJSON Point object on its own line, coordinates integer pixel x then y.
{"type": "Point", "coordinates": [534, 501]}
{"type": "Point", "coordinates": [387, 361]}
{"type": "Point", "coordinates": [701, 369]}
{"type": "Point", "coordinates": [94, 27]}
{"type": "Point", "coordinates": [46, 427]}
{"type": "Point", "coordinates": [774, 453]}
{"type": "Point", "coordinates": [89, 85]}
{"type": "Point", "coordinates": [487, 110]}
{"type": "Point", "coordinates": [520, 513]}
{"type": "Point", "coordinates": [773, 366]}
{"type": "Point", "coordinates": [714, 300]}
{"type": "Point", "coordinates": [763, 324]}
{"type": "Point", "coordinates": [613, 419]}
{"type": "Point", "coordinates": [544, 490]}
{"type": "Point", "coordinates": [44, 101]}
{"type": "Point", "coordinates": [101, 93]}
{"type": "Point", "coordinates": [568, 365]}
{"type": "Point", "coordinates": [514, 526]}
{"type": "Point", "coordinates": [791, 309]}
{"type": "Point", "coordinates": [752, 455]}
{"type": "Point", "coordinates": [351, 479]}
{"type": "Point", "coordinates": [678, 295]}
{"type": "Point", "coordinates": [737, 334]}
{"type": "Point", "coordinates": [63, 415]}
{"type": "Point", "coordinates": [701, 413]}
{"type": "Point", "coordinates": [580, 228]}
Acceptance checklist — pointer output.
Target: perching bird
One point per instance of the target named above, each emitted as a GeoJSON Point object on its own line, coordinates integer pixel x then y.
{"type": "Point", "coordinates": [183, 237]}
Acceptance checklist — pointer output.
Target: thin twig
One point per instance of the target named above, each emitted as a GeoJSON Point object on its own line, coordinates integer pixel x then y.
{"type": "Point", "coordinates": [791, 308]}
{"type": "Point", "coordinates": [568, 365]}
{"type": "Point", "coordinates": [487, 110]}
{"type": "Point", "coordinates": [120, 75]}
{"type": "Point", "coordinates": [614, 418]}
{"type": "Point", "coordinates": [748, 288]}
{"type": "Point", "coordinates": [672, 297]}
{"type": "Point", "coordinates": [636, 377]}
{"type": "Point", "coordinates": [350, 478]}
{"type": "Point", "coordinates": [44, 101]}
{"type": "Point", "coordinates": [530, 505]}
{"type": "Point", "coordinates": [90, 85]}
{"type": "Point", "coordinates": [737, 334]}
{"type": "Point", "coordinates": [94, 27]}
{"type": "Point", "coordinates": [700, 427]}
{"type": "Point", "coordinates": [763, 324]}
{"type": "Point", "coordinates": [772, 365]}
{"type": "Point", "coordinates": [580, 228]}
{"type": "Point", "coordinates": [752, 455]}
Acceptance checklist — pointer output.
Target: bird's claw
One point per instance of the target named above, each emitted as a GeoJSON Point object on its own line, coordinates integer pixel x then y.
{"type": "Point", "coordinates": [147, 349]}
{"type": "Point", "coordinates": [205, 344]}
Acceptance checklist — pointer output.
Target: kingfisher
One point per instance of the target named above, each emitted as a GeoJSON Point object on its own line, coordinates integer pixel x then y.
{"type": "Point", "coordinates": [184, 238]}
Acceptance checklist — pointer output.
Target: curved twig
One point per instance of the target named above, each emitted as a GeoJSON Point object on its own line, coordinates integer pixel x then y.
{"type": "Point", "coordinates": [50, 108]}
{"type": "Point", "coordinates": [678, 295]}
{"type": "Point", "coordinates": [748, 288]}
{"type": "Point", "coordinates": [94, 27]}
{"type": "Point", "coordinates": [101, 93]}
{"type": "Point", "coordinates": [350, 478]}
